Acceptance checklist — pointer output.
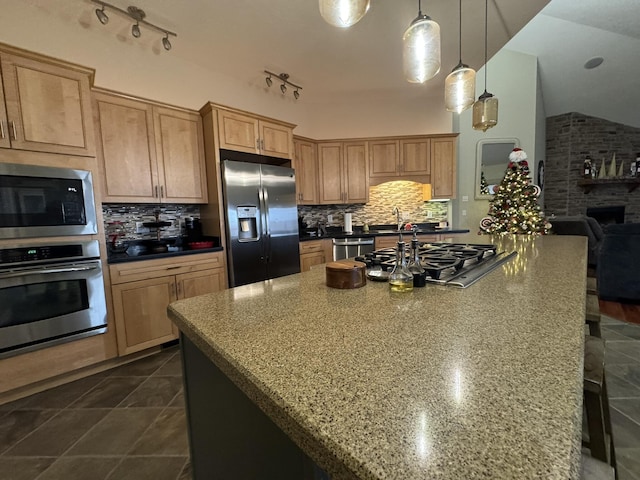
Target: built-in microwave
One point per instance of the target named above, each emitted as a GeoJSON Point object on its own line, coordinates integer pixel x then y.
{"type": "Point", "coordinates": [39, 201]}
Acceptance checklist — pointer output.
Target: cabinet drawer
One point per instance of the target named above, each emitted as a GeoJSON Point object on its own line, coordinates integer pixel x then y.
{"type": "Point", "coordinates": [311, 246]}
{"type": "Point", "coordinates": [145, 269]}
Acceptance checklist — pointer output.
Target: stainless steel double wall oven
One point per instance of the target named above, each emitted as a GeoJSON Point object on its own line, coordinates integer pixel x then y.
{"type": "Point", "coordinates": [50, 292]}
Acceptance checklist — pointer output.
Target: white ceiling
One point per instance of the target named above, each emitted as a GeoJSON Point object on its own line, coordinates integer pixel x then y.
{"type": "Point", "coordinates": [565, 35]}
{"type": "Point", "coordinates": [241, 38]}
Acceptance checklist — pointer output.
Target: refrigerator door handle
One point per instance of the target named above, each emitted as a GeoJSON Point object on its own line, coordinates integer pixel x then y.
{"type": "Point", "coordinates": [267, 228]}
{"type": "Point", "coordinates": [264, 247]}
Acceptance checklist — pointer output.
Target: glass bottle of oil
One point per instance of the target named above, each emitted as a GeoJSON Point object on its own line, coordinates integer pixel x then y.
{"type": "Point", "coordinates": [417, 271]}
{"type": "Point", "coordinates": [400, 278]}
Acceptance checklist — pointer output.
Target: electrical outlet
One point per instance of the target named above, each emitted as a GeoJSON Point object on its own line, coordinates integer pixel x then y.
{"type": "Point", "coordinates": [464, 213]}
{"type": "Point", "coordinates": [465, 198]}
{"type": "Point", "coordinates": [429, 214]}
{"type": "Point", "coordinates": [329, 218]}
{"type": "Point", "coordinates": [140, 228]}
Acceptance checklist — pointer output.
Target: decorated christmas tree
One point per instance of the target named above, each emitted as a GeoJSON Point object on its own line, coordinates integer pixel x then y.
{"type": "Point", "coordinates": [484, 188]}
{"type": "Point", "coordinates": [514, 208]}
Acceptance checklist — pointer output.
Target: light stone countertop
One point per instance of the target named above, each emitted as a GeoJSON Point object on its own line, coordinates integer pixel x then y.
{"type": "Point", "coordinates": [442, 382]}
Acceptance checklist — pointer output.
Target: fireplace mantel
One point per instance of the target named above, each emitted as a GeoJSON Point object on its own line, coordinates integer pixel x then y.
{"type": "Point", "coordinates": [588, 184]}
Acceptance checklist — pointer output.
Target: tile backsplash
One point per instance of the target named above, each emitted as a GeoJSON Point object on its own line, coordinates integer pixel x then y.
{"type": "Point", "coordinates": [407, 196]}
{"type": "Point", "coordinates": [129, 214]}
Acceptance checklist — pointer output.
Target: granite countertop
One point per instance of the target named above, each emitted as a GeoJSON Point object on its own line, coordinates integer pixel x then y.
{"type": "Point", "coordinates": [483, 382]}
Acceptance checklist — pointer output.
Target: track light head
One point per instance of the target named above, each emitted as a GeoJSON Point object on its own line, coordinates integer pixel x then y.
{"type": "Point", "coordinates": [269, 81]}
{"type": "Point", "coordinates": [135, 31]}
{"type": "Point", "coordinates": [296, 94]}
{"type": "Point", "coordinates": [283, 88]}
{"type": "Point", "coordinates": [166, 43]}
{"type": "Point", "coordinates": [104, 19]}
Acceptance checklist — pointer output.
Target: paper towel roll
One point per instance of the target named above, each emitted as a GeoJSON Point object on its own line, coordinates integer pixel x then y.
{"type": "Point", "coordinates": [347, 223]}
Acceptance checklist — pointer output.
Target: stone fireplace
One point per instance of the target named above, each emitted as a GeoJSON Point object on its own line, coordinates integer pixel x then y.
{"type": "Point", "coordinates": [607, 215]}
{"type": "Point", "coordinates": [570, 138]}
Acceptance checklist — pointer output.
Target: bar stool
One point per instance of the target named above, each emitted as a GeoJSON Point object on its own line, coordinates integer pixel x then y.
{"type": "Point", "coordinates": [592, 316]}
{"type": "Point", "coordinates": [596, 402]}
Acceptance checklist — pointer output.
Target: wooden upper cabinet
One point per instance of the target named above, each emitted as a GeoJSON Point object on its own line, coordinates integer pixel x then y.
{"type": "Point", "coordinates": [46, 107]}
{"type": "Point", "coordinates": [180, 153]}
{"type": "Point", "coordinates": [306, 166]}
{"type": "Point", "coordinates": [275, 140]}
{"type": "Point", "coordinates": [245, 133]}
{"type": "Point", "coordinates": [126, 149]}
{"type": "Point", "coordinates": [356, 173]}
{"type": "Point", "coordinates": [343, 172]}
{"type": "Point", "coordinates": [330, 172]}
{"type": "Point", "coordinates": [443, 167]}
{"type": "Point", "coordinates": [238, 132]}
{"type": "Point", "coordinates": [148, 153]}
{"type": "Point", "coordinates": [384, 158]}
{"type": "Point", "coordinates": [415, 156]}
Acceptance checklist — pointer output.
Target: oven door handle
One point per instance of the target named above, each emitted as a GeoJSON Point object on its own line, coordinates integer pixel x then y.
{"type": "Point", "coordinates": [40, 271]}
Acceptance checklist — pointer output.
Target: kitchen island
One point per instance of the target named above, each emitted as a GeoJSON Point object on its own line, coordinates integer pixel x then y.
{"type": "Point", "coordinates": [442, 382]}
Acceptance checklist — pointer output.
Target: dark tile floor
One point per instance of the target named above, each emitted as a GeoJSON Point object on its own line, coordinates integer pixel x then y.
{"type": "Point", "coordinates": [129, 422]}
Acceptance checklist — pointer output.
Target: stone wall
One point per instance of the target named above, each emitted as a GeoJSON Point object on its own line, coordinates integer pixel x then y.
{"type": "Point", "coordinates": [570, 138]}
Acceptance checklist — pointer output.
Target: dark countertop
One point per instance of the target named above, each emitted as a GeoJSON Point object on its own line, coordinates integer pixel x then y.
{"type": "Point", "coordinates": [132, 256]}
{"type": "Point", "coordinates": [379, 233]}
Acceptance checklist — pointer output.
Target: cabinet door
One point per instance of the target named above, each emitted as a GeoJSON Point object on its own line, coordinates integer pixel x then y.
{"type": "Point", "coordinates": [199, 283]}
{"type": "Point", "coordinates": [415, 157]}
{"type": "Point", "coordinates": [180, 153]}
{"type": "Point", "coordinates": [126, 149]}
{"type": "Point", "coordinates": [384, 158]}
{"type": "Point", "coordinates": [276, 140]}
{"type": "Point", "coordinates": [443, 167]}
{"type": "Point", "coordinates": [356, 173]}
{"type": "Point", "coordinates": [5, 141]}
{"type": "Point", "coordinates": [140, 310]}
{"type": "Point", "coordinates": [238, 132]}
{"type": "Point", "coordinates": [48, 107]}
{"type": "Point", "coordinates": [330, 172]}
{"type": "Point", "coordinates": [308, 260]}
{"type": "Point", "coordinates": [306, 167]}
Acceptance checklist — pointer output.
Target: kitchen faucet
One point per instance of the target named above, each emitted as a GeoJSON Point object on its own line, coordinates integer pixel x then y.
{"type": "Point", "coordinates": [396, 212]}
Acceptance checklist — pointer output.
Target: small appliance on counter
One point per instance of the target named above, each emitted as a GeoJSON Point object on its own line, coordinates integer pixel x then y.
{"type": "Point", "coordinates": [158, 245]}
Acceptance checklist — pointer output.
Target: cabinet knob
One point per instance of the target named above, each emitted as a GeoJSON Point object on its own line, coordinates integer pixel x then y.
{"type": "Point", "coordinates": [161, 191]}
{"type": "Point", "coordinates": [1, 129]}
{"type": "Point", "coordinates": [13, 127]}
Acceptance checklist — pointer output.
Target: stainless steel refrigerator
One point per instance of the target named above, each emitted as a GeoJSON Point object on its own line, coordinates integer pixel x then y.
{"type": "Point", "coordinates": [262, 221]}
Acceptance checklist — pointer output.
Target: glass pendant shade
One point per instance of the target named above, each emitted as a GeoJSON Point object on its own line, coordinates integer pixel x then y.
{"type": "Point", "coordinates": [343, 13]}
{"type": "Point", "coordinates": [421, 50]}
{"type": "Point", "coordinates": [485, 112]}
{"type": "Point", "coordinates": [460, 88]}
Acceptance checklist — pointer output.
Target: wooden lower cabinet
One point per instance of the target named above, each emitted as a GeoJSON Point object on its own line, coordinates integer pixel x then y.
{"type": "Point", "coordinates": [390, 241]}
{"type": "Point", "coordinates": [143, 290]}
{"type": "Point", "coordinates": [314, 252]}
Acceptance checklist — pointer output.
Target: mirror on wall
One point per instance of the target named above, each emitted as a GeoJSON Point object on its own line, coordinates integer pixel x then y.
{"type": "Point", "coordinates": [492, 158]}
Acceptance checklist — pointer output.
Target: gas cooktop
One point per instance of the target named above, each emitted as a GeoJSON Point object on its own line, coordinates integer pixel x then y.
{"type": "Point", "coordinates": [454, 264]}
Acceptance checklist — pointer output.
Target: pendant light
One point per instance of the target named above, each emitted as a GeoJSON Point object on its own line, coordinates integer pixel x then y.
{"type": "Point", "coordinates": [421, 49]}
{"type": "Point", "coordinates": [460, 84]}
{"type": "Point", "coordinates": [343, 13]}
{"type": "Point", "coordinates": [485, 110]}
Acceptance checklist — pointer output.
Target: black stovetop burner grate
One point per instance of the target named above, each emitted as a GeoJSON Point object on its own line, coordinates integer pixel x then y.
{"type": "Point", "coordinates": [445, 262]}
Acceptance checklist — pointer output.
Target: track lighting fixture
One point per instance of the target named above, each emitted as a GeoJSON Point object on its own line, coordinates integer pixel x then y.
{"type": "Point", "coordinates": [135, 30]}
{"type": "Point", "coordinates": [138, 15]}
{"type": "Point", "coordinates": [166, 43]}
{"type": "Point", "coordinates": [102, 16]}
{"type": "Point", "coordinates": [284, 78]}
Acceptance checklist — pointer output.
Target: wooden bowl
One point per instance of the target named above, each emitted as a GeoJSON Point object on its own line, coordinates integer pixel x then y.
{"type": "Point", "coordinates": [346, 274]}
